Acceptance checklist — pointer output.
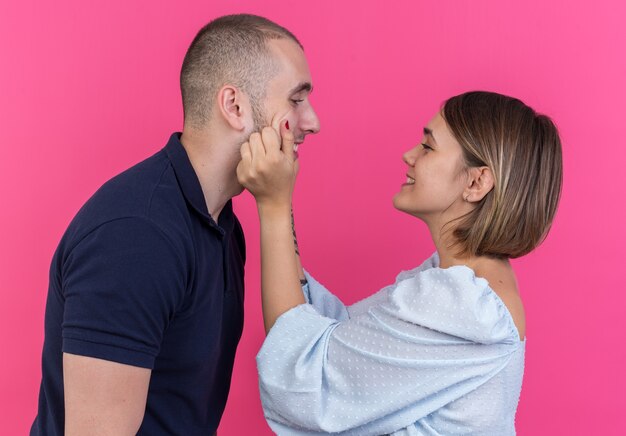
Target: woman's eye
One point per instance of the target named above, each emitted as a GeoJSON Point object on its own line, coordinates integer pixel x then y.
{"type": "Point", "coordinates": [426, 146]}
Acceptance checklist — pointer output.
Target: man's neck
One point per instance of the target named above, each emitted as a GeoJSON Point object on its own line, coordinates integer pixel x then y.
{"type": "Point", "coordinates": [215, 166]}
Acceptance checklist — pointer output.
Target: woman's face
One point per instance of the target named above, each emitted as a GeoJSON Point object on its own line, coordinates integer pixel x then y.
{"type": "Point", "coordinates": [436, 176]}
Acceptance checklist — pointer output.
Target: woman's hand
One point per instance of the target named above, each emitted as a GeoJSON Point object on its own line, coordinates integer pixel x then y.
{"type": "Point", "coordinates": [269, 167]}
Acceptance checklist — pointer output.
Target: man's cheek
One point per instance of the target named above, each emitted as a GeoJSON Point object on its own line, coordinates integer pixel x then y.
{"type": "Point", "coordinates": [282, 116]}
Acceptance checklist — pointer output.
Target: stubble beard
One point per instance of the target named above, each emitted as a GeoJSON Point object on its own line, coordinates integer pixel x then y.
{"type": "Point", "coordinates": [259, 114]}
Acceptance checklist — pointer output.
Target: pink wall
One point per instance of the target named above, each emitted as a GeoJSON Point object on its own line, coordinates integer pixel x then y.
{"type": "Point", "coordinates": [89, 88]}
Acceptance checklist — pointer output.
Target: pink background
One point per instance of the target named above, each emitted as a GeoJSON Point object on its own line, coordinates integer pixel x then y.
{"type": "Point", "coordinates": [89, 88]}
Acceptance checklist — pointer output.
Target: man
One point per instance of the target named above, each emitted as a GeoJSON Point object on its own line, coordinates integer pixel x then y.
{"type": "Point", "coordinates": [145, 304]}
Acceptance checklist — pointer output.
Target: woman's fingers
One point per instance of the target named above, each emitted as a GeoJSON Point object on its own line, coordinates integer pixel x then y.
{"type": "Point", "coordinates": [271, 141]}
{"type": "Point", "coordinates": [279, 118]}
{"type": "Point", "coordinates": [268, 166]}
{"type": "Point", "coordinates": [256, 146]}
{"type": "Point", "coordinates": [246, 152]}
{"type": "Point", "coordinates": [243, 168]}
{"type": "Point", "coordinates": [279, 140]}
{"type": "Point", "coordinates": [288, 141]}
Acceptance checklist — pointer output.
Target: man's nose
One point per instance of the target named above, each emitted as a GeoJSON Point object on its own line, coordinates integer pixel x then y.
{"type": "Point", "coordinates": [309, 123]}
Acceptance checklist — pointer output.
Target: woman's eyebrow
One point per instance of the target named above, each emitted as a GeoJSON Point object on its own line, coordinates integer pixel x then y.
{"type": "Point", "coordinates": [428, 132]}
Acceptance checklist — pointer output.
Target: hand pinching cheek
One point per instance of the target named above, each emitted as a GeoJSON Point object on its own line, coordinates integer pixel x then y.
{"type": "Point", "coordinates": [282, 120]}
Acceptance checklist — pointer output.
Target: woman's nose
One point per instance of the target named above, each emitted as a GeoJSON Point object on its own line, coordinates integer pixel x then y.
{"type": "Point", "coordinates": [409, 156]}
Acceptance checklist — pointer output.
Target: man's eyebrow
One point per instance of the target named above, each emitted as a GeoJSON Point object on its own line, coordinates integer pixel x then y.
{"type": "Point", "coordinates": [304, 86]}
{"type": "Point", "coordinates": [429, 132]}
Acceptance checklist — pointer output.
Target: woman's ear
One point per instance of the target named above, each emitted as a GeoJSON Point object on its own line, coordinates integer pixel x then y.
{"type": "Point", "coordinates": [234, 106]}
{"type": "Point", "coordinates": [481, 182]}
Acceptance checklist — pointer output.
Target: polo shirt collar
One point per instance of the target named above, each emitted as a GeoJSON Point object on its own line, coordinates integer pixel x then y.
{"type": "Point", "coordinates": [191, 188]}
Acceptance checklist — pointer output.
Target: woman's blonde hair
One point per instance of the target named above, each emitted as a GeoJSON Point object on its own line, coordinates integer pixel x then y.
{"type": "Point", "coordinates": [523, 150]}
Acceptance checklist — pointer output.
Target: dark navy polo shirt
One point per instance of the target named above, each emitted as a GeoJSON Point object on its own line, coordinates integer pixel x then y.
{"type": "Point", "coordinates": [144, 276]}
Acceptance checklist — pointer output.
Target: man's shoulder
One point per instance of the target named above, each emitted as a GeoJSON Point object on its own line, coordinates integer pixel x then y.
{"type": "Point", "coordinates": [147, 191]}
{"type": "Point", "coordinates": [132, 191]}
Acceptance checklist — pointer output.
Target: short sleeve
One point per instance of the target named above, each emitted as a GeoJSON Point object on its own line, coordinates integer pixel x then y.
{"type": "Point", "coordinates": [380, 370]}
{"type": "Point", "coordinates": [122, 284]}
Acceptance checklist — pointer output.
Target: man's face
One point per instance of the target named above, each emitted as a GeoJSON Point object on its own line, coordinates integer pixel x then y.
{"type": "Point", "coordinates": [287, 93]}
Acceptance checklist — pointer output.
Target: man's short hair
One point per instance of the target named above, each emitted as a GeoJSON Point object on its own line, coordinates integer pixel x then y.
{"type": "Point", "coordinates": [229, 50]}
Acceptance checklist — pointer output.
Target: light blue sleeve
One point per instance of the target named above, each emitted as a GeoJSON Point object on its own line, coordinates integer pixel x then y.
{"type": "Point", "coordinates": [388, 366]}
{"type": "Point", "coordinates": [328, 305]}
{"type": "Point", "coordinates": [323, 300]}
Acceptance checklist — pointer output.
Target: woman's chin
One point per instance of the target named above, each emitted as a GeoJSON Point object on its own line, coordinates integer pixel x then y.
{"type": "Point", "coordinates": [399, 203]}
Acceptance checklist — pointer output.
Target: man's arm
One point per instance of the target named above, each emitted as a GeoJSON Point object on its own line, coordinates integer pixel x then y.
{"type": "Point", "coordinates": [103, 397]}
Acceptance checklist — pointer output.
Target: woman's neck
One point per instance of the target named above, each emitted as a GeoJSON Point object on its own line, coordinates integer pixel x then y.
{"type": "Point", "coordinates": [448, 251]}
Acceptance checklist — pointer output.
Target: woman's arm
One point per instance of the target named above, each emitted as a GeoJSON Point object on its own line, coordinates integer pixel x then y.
{"type": "Point", "coordinates": [297, 250]}
{"type": "Point", "coordinates": [280, 284]}
{"type": "Point", "coordinates": [268, 169]}
{"type": "Point", "coordinates": [410, 354]}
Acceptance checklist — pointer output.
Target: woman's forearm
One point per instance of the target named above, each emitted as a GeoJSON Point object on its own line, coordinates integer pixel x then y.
{"type": "Point", "coordinates": [280, 278]}
{"type": "Point", "coordinates": [297, 250]}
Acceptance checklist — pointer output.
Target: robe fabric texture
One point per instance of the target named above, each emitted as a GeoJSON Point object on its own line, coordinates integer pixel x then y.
{"type": "Point", "coordinates": [436, 353]}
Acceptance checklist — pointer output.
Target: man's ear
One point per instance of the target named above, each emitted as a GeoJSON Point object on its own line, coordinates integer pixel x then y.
{"type": "Point", "coordinates": [480, 183]}
{"type": "Point", "coordinates": [234, 106]}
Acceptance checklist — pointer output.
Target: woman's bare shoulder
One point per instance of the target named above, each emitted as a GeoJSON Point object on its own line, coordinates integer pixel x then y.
{"type": "Point", "coordinates": [502, 280]}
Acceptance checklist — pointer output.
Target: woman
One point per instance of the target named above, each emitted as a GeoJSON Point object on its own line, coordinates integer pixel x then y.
{"type": "Point", "coordinates": [441, 351]}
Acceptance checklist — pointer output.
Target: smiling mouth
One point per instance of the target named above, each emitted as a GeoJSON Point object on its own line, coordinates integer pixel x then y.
{"type": "Point", "coordinates": [297, 144]}
{"type": "Point", "coordinates": [409, 180]}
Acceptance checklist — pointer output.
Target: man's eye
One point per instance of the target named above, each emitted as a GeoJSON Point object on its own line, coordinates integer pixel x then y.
{"type": "Point", "coordinates": [296, 102]}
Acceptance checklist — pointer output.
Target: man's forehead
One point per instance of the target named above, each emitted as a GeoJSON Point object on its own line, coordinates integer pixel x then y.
{"type": "Point", "coordinates": [291, 61]}
{"type": "Point", "coordinates": [285, 46]}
